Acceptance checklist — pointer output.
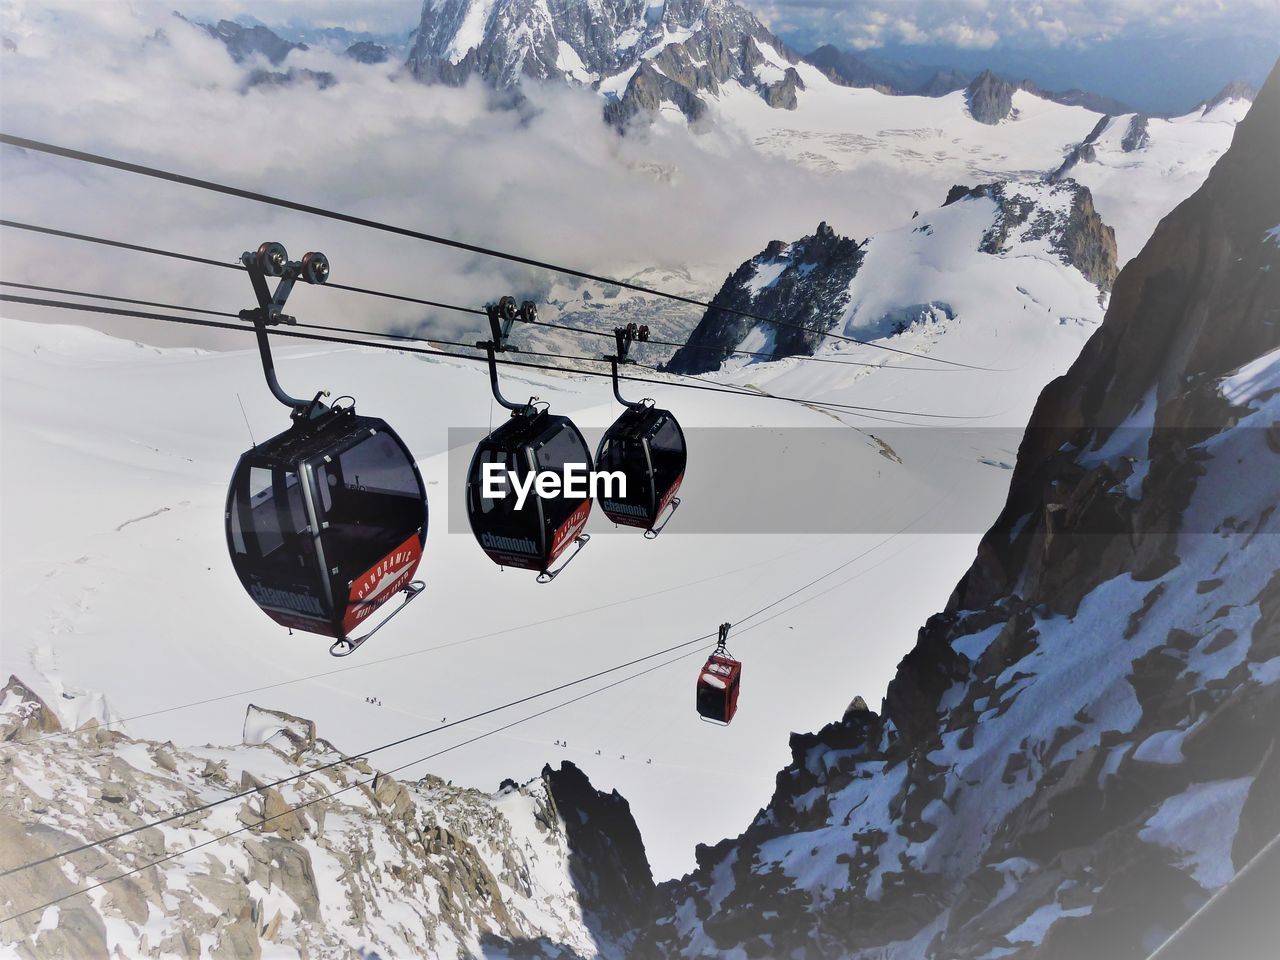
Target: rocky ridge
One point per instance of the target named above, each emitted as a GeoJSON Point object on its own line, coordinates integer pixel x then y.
{"type": "Point", "coordinates": [370, 865]}
{"type": "Point", "coordinates": [1082, 747]}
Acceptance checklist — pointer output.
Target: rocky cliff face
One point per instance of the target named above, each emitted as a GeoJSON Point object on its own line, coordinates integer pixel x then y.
{"type": "Point", "coordinates": [247, 43]}
{"type": "Point", "coordinates": [642, 55]}
{"type": "Point", "coordinates": [370, 865]}
{"type": "Point", "coordinates": [1083, 746]}
{"type": "Point", "coordinates": [366, 51]}
{"type": "Point", "coordinates": [990, 98]}
{"type": "Point", "coordinates": [805, 283]}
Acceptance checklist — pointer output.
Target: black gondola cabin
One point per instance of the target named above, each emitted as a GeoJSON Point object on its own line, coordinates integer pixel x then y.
{"type": "Point", "coordinates": [326, 522]}
{"type": "Point", "coordinates": [646, 445]}
{"type": "Point", "coordinates": [533, 537]}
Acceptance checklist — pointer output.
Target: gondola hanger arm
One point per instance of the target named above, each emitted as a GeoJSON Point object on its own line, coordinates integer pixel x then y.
{"type": "Point", "coordinates": [624, 337]}
{"type": "Point", "coordinates": [272, 260]}
{"type": "Point", "coordinates": [502, 316]}
{"type": "Point", "coordinates": [722, 644]}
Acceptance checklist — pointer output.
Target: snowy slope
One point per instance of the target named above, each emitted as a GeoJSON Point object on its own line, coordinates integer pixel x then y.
{"type": "Point", "coordinates": [845, 129]}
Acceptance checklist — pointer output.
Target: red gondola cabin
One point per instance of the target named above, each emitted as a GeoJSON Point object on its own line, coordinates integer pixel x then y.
{"type": "Point", "coordinates": [718, 685]}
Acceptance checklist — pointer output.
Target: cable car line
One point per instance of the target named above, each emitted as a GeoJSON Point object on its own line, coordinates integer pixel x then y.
{"type": "Point", "coordinates": [238, 192]}
{"type": "Point", "coordinates": [194, 321]}
{"type": "Point", "coordinates": [737, 353]}
{"type": "Point", "coordinates": [207, 261]}
{"type": "Point", "coordinates": [411, 338]}
{"type": "Point", "coordinates": [365, 754]}
{"type": "Point", "coordinates": [86, 238]}
{"type": "Point", "coordinates": [581, 358]}
{"type": "Point", "coordinates": [103, 296]}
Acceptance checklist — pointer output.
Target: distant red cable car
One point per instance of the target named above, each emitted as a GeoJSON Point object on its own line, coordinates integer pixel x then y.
{"type": "Point", "coordinates": [719, 683]}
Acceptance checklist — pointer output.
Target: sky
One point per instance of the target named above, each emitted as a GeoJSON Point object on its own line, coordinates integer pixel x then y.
{"type": "Point", "coordinates": [1156, 55]}
{"type": "Point", "coordinates": [985, 24]}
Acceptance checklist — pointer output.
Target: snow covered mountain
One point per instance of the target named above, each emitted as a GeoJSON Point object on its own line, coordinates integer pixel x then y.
{"type": "Point", "coordinates": [1083, 746]}
{"type": "Point", "coordinates": [814, 285]}
{"type": "Point", "coordinates": [640, 54]}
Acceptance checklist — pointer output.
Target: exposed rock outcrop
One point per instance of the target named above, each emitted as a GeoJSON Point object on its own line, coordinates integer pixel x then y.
{"type": "Point", "coordinates": [806, 286]}
{"type": "Point", "coordinates": [607, 858]}
{"type": "Point", "coordinates": [1136, 136]}
{"type": "Point", "coordinates": [366, 51]}
{"type": "Point", "coordinates": [245, 42]}
{"type": "Point", "coordinates": [1082, 152]}
{"type": "Point", "coordinates": [1235, 90]}
{"type": "Point", "coordinates": [990, 99]}
{"type": "Point", "coordinates": [23, 715]}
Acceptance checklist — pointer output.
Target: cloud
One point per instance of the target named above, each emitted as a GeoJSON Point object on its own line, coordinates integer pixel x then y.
{"type": "Point", "coordinates": [554, 184]}
{"type": "Point", "coordinates": [982, 24]}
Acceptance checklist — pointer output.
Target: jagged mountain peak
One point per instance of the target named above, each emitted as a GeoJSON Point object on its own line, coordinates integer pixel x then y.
{"type": "Point", "coordinates": [640, 54]}
{"type": "Point", "coordinates": [990, 98]}
{"type": "Point", "coordinates": [245, 41]}
{"type": "Point", "coordinates": [1235, 90]}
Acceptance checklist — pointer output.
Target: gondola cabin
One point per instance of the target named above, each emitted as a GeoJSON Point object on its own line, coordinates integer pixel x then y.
{"type": "Point", "coordinates": [718, 685]}
{"type": "Point", "coordinates": [326, 522]}
{"type": "Point", "coordinates": [647, 446]}
{"type": "Point", "coordinates": [534, 536]}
